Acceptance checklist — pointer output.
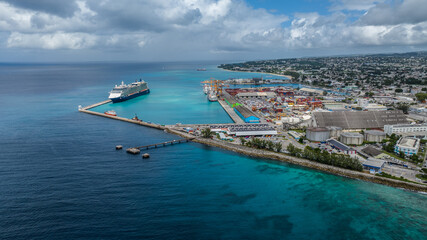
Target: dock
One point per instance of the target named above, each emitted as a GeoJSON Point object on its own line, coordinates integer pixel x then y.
{"type": "Point", "coordinates": [139, 122]}
{"type": "Point", "coordinates": [164, 144]}
{"type": "Point", "coordinates": [233, 115]}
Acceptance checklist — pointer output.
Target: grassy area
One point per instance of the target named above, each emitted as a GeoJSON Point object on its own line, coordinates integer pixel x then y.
{"type": "Point", "coordinates": [386, 175]}
{"type": "Point", "coordinates": [395, 156]}
{"type": "Point", "coordinates": [298, 130]}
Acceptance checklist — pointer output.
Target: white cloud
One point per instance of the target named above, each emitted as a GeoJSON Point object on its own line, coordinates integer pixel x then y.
{"type": "Point", "coordinates": [59, 40]}
{"type": "Point", "coordinates": [358, 5]}
{"type": "Point", "coordinates": [172, 27]}
{"type": "Point", "coordinates": [407, 11]}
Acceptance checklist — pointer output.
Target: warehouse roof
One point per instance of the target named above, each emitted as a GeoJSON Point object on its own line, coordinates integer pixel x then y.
{"type": "Point", "coordinates": [244, 111]}
{"type": "Point", "coordinates": [339, 145]}
{"type": "Point", "coordinates": [371, 151]}
{"type": "Point", "coordinates": [373, 162]}
{"type": "Point", "coordinates": [359, 119]}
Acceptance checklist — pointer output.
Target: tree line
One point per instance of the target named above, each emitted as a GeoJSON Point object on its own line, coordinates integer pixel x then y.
{"type": "Point", "coordinates": [323, 156]}
{"type": "Point", "coordinates": [262, 144]}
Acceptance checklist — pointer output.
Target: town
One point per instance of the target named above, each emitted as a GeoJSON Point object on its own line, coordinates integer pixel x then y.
{"type": "Point", "coordinates": [364, 113]}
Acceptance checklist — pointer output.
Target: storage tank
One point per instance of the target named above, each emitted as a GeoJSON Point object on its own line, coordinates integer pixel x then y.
{"type": "Point", "coordinates": [351, 138]}
{"type": "Point", "coordinates": [317, 134]}
{"type": "Point", "coordinates": [335, 132]}
{"type": "Point", "coordinates": [374, 136]}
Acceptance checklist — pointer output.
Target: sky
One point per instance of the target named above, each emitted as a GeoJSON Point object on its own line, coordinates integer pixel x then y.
{"type": "Point", "coordinates": [191, 30]}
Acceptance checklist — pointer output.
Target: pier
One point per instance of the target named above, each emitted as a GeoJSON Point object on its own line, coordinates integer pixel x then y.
{"type": "Point", "coordinates": [164, 144]}
{"type": "Point", "coordinates": [139, 122]}
{"type": "Point", "coordinates": [233, 115]}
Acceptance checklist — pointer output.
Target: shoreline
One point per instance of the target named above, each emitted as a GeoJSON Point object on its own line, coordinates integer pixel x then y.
{"type": "Point", "coordinates": [275, 74]}
{"type": "Point", "coordinates": [259, 153]}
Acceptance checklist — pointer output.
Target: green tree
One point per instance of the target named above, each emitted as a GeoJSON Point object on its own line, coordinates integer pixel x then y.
{"type": "Point", "coordinates": [207, 133]}
{"type": "Point", "coordinates": [421, 96]}
{"type": "Point", "coordinates": [278, 146]}
{"type": "Point", "coordinates": [403, 107]}
{"type": "Point", "coordinates": [398, 90]}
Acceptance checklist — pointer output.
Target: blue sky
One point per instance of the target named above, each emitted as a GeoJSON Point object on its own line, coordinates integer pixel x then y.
{"type": "Point", "coordinates": [232, 30]}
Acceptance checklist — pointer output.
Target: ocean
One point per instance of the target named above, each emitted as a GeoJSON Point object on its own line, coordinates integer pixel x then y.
{"type": "Point", "coordinates": [61, 178]}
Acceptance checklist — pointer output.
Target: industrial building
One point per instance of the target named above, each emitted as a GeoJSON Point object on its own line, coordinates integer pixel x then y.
{"type": "Point", "coordinates": [405, 128]}
{"type": "Point", "coordinates": [351, 138]}
{"type": "Point", "coordinates": [317, 134]}
{"type": "Point", "coordinates": [371, 152]}
{"type": "Point", "coordinates": [358, 119]}
{"type": "Point", "coordinates": [295, 135]}
{"type": "Point", "coordinates": [256, 95]}
{"type": "Point", "coordinates": [247, 115]}
{"type": "Point", "coordinates": [341, 146]}
{"type": "Point", "coordinates": [373, 165]}
{"type": "Point", "coordinates": [374, 136]}
{"type": "Point", "coordinates": [243, 130]}
{"type": "Point", "coordinates": [409, 146]}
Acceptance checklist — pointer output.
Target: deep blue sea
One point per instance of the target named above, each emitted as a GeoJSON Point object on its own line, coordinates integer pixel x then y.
{"type": "Point", "coordinates": [61, 178]}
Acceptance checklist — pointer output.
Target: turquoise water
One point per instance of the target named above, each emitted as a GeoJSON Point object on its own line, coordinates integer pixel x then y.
{"type": "Point", "coordinates": [177, 94]}
{"type": "Point", "coordinates": [60, 177]}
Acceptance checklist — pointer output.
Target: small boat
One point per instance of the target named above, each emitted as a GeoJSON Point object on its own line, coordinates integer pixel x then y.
{"type": "Point", "coordinates": [136, 118]}
{"type": "Point", "coordinates": [111, 113]}
{"type": "Point", "coordinates": [201, 69]}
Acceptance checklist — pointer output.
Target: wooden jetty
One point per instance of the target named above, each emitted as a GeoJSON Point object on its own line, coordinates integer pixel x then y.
{"type": "Point", "coordinates": [163, 144]}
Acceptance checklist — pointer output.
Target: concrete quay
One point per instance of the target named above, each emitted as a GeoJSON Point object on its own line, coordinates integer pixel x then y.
{"type": "Point", "coordinates": [139, 122]}
{"type": "Point", "coordinates": [233, 115]}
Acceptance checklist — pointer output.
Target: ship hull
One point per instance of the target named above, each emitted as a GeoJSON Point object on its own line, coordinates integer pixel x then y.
{"type": "Point", "coordinates": [124, 98]}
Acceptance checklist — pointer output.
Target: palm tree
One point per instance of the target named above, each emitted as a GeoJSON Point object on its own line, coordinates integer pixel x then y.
{"type": "Point", "coordinates": [207, 133]}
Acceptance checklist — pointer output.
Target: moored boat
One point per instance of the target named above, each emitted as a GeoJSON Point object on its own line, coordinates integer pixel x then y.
{"type": "Point", "coordinates": [212, 96]}
{"type": "Point", "coordinates": [111, 113]}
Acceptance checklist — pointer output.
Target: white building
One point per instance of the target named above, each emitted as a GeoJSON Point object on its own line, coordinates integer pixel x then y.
{"type": "Point", "coordinates": [405, 128]}
{"type": "Point", "coordinates": [375, 107]}
{"type": "Point", "coordinates": [409, 146]}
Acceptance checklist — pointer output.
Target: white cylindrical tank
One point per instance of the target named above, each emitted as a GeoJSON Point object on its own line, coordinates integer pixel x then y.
{"type": "Point", "coordinates": [317, 134]}
{"type": "Point", "coordinates": [374, 136]}
{"type": "Point", "coordinates": [351, 138]}
{"type": "Point", "coordinates": [335, 132]}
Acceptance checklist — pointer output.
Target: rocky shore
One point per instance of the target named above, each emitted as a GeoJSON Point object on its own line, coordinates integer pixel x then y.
{"type": "Point", "coordinates": [303, 162]}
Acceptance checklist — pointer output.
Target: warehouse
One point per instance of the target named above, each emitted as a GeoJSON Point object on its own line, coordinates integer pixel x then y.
{"type": "Point", "coordinates": [351, 138]}
{"type": "Point", "coordinates": [245, 114]}
{"type": "Point", "coordinates": [371, 151]}
{"type": "Point", "coordinates": [317, 134]}
{"type": "Point", "coordinates": [342, 147]}
{"type": "Point", "coordinates": [374, 136]}
{"type": "Point", "coordinates": [251, 130]}
{"type": "Point", "coordinates": [256, 95]}
{"type": "Point", "coordinates": [358, 119]}
{"type": "Point", "coordinates": [373, 165]}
